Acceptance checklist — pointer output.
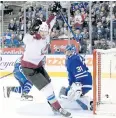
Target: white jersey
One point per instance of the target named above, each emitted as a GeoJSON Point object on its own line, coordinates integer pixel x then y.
{"type": "Point", "coordinates": [34, 49]}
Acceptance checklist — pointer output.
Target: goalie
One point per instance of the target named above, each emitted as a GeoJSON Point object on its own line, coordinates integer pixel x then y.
{"type": "Point", "coordinates": [80, 82]}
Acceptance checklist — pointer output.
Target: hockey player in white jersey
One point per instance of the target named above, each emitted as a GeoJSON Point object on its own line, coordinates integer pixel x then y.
{"type": "Point", "coordinates": [80, 82]}
{"type": "Point", "coordinates": [24, 84]}
{"type": "Point", "coordinates": [36, 46]}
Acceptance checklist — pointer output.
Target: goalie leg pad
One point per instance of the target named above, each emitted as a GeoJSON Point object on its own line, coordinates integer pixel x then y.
{"type": "Point", "coordinates": [85, 102]}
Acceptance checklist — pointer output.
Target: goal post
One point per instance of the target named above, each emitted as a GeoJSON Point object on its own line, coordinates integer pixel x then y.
{"type": "Point", "coordinates": [104, 80]}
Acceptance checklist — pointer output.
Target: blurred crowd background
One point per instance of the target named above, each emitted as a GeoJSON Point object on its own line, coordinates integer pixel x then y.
{"type": "Point", "coordinates": [94, 23]}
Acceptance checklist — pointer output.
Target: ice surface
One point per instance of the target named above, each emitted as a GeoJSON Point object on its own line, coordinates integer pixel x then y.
{"type": "Point", "coordinates": [38, 108]}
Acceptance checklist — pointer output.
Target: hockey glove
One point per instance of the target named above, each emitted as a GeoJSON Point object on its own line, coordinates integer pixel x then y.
{"type": "Point", "coordinates": [56, 7]}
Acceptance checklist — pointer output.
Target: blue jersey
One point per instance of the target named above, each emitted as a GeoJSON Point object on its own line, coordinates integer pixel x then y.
{"type": "Point", "coordinates": [76, 68]}
{"type": "Point", "coordinates": [17, 63]}
{"type": "Point", "coordinates": [25, 84]}
{"type": "Point", "coordinates": [19, 75]}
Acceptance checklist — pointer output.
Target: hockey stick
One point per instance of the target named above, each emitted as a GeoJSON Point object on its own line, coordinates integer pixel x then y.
{"type": "Point", "coordinates": [68, 25]}
{"type": "Point", "coordinates": [6, 75]}
{"type": "Point", "coordinates": [70, 29]}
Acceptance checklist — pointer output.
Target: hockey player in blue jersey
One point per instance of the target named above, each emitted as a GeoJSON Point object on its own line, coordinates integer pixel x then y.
{"type": "Point", "coordinates": [79, 78]}
{"type": "Point", "coordinates": [25, 84]}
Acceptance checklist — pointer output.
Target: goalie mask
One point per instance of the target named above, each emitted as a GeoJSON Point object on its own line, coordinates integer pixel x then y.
{"type": "Point", "coordinates": [70, 49]}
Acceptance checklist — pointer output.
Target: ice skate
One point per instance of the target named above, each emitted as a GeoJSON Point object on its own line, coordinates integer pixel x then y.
{"type": "Point", "coordinates": [61, 111]}
{"type": "Point", "coordinates": [65, 113]}
{"type": "Point", "coordinates": [26, 97]}
{"type": "Point", "coordinates": [56, 112]}
{"type": "Point", "coordinates": [7, 91]}
{"type": "Point", "coordinates": [91, 105]}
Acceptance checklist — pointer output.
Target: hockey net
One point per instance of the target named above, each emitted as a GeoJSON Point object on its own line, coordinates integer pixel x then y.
{"type": "Point", "coordinates": [104, 81]}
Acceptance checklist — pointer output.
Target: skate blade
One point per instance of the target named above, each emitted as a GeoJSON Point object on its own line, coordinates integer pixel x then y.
{"type": "Point", "coordinates": [66, 116]}
{"type": "Point", "coordinates": [58, 114]}
{"type": "Point", "coordinates": [29, 99]}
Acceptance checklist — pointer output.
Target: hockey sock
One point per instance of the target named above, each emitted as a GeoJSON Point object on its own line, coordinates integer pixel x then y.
{"type": "Point", "coordinates": [27, 87]}
{"type": "Point", "coordinates": [54, 102]}
{"type": "Point", "coordinates": [49, 93]}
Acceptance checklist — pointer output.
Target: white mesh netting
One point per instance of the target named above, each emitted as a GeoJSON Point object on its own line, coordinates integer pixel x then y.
{"type": "Point", "coordinates": [106, 81]}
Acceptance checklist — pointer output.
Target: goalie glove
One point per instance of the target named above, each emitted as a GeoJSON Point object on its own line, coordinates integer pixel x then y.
{"type": "Point", "coordinates": [75, 91]}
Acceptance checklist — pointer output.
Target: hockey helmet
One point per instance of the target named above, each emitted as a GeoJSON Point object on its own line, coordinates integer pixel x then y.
{"type": "Point", "coordinates": [35, 26]}
{"type": "Point", "coordinates": [70, 48]}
